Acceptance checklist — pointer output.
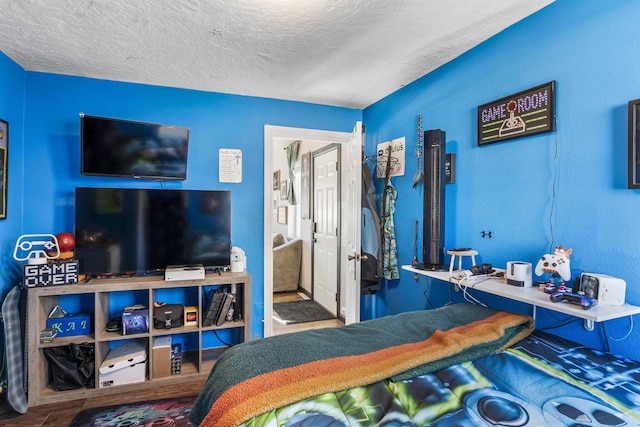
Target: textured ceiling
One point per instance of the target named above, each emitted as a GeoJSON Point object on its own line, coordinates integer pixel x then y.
{"type": "Point", "coordinates": [347, 53]}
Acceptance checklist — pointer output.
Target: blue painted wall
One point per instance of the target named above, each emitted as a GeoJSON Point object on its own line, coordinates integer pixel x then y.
{"type": "Point", "coordinates": [12, 86]}
{"type": "Point", "coordinates": [567, 187]}
{"type": "Point", "coordinates": [52, 149]}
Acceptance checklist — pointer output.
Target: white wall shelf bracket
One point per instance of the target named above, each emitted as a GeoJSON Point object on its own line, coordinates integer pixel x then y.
{"type": "Point", "coordinates": [588, 324]}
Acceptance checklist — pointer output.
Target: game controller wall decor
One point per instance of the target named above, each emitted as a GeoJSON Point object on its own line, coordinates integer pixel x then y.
{"type": "Point", "coordinates": [42, 253]}
{"type": "Point", "coordinates": [36, 248]}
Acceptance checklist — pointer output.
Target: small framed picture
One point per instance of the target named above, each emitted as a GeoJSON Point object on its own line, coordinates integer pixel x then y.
{"type": "Point", "coordinates": [276, 180]}
{"type": "Point", "coordinates": [284, 195]}
{"type": "Point", "coordinates": [4, 167]}
{"type": "Point", "coordinates": [634, 145]}
{"type": "Point", "coordinates": [282, 215]}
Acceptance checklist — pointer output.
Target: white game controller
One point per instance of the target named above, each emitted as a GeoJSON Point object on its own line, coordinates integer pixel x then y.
{"type": "Point", "coordinates": [554, 264]}
{"type": "Point", "coordinates": [36, 246]}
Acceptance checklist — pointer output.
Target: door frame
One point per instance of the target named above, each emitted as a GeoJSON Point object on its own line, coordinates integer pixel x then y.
{"type": "Point", "coordinates": [271, 134]}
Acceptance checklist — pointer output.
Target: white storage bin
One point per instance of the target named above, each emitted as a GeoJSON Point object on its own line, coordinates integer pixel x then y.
{"type": "Point", "coordinates": [124, 364]}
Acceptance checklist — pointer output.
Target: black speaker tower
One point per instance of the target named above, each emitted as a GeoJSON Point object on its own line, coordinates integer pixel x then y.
{"type": "Point", "coordinates": [433, 208]}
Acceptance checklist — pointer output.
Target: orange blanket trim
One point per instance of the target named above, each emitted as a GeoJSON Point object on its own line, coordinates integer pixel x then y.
{"type": "Point", "coordinates": [276, 389]}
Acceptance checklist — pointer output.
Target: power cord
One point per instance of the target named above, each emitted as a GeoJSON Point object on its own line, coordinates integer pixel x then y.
{"type": "Point", "coordinates": [426, 293]}
{"type": "Point", "coordinates": [460, 284]}
{"type": "Point", "coordinates": [220, 339]}
{"type": "Point", "coordinates": [567, 322]}
{"type": "Point", "coordinates": [466, 295]}
{"type": "Point", "coordinates": [606, 339]}
{"type": "Point", "coordinates": [553, 188]}
{"type": "Point", "coordinates": [625, 336]}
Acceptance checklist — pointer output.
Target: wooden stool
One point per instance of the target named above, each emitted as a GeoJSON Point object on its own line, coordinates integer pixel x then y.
{"type": "Point", "coordinates": [461, 254]}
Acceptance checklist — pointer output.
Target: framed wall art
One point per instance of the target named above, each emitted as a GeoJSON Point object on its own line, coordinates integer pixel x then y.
{"type": "Point", "coordinates": [276, 180]}
{"type": "Point", "coordinates": [4, 166]}
{"type": "Point", "coordinates": [525, 113]}
{"type": "Point", "coordinates": [282, 215]}
{"type": "Point", "coordinates": [634, 144]}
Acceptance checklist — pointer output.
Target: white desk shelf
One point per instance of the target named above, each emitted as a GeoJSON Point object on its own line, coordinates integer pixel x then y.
{"type": "Point", "coordinates": [533, 296]}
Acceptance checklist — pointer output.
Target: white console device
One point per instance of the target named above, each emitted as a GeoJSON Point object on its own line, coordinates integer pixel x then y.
{"type": "Point", "coordinates": [519, 274]}
{"type": "Point", "coordinates": [183, 272]}
{"type": "Point", "coordinates": [606, 289]}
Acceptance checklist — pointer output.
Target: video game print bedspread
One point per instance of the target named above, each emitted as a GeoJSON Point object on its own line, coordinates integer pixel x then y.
{"type": "Point", "coordinates": [540, 381]}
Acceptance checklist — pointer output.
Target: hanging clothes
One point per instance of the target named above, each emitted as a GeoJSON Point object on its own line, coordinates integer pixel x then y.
{"type": "Point", "coordinates": [390, 256]}
{"type": "Point", "coordinates": [292, 155]}
{"type": "Point", "coordinates": [371, 266]}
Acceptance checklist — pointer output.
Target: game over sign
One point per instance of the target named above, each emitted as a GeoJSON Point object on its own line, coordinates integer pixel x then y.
{"type": "Point", "coordinates": [526, 113]}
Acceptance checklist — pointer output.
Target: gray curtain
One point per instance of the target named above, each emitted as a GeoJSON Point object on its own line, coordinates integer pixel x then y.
{"type": "Point", "coordinates": [292, 155]}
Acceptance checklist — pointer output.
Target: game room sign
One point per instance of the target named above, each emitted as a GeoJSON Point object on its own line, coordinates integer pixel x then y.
{"type": "Point", "coordinates": [525, 113]}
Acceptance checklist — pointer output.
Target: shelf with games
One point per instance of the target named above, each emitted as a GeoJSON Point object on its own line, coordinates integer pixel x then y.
{"type": "Point", "coordinates": [102, 299]}
{"type": "Point", "coordinates": [531, 295]}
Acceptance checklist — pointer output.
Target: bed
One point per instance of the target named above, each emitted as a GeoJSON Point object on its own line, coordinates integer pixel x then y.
{"type": "Point", "coordinates": [460, 365]}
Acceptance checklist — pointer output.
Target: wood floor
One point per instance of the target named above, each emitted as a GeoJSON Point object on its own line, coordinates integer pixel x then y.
{"type": "Point", "coordinates": [59, 415]}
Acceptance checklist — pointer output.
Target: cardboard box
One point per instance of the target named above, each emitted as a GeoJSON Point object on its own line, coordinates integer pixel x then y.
{"type": "Point", "coordinates": [70, 324]}
{"type": "Point", "coordinates": [124, 364]}
{"type": "Point", "coordinates": [135, 320]}
{"type": "Point", "coordinates": [161, 358]}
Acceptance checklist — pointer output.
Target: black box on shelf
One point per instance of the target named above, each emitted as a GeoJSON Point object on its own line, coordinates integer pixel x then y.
{"type": "Point", "coordinates": [176, 359]}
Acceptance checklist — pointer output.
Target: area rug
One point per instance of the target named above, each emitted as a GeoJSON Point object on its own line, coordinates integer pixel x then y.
{"type": "Point", "coordinates": [301, 311]}
{"type": "Point", "coordinates": [165, 412]}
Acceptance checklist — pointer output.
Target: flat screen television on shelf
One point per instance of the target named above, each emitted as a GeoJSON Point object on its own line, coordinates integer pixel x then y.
{"type": "Point", "coordinates": [124, 148]}
{"type": "Point", "coordinates": [124, 230]}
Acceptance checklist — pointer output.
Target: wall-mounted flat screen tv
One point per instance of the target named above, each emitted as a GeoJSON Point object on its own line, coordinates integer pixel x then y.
{"type": "Point", "coordinates": [124, 230]}
{"type": "Point", "coordinates": [124, 148]}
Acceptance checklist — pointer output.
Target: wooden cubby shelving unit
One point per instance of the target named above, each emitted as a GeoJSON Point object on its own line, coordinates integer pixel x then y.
{"type": "Point", "coordinates": [197, 362]}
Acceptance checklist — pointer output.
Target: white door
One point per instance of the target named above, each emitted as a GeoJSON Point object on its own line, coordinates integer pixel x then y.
{"type": "Point", "coordinates": [326, 217]}
{"type": "Point", "coordinates": [351, 214]}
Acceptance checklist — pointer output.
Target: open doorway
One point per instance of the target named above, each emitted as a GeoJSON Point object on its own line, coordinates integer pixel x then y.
{"type": "Point", "coordinates": [276, 138]}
